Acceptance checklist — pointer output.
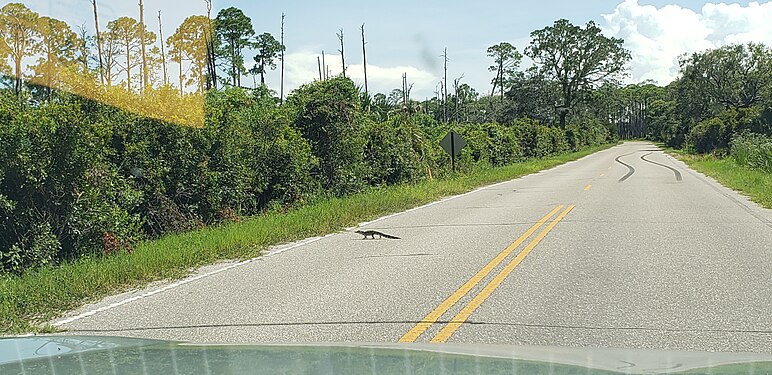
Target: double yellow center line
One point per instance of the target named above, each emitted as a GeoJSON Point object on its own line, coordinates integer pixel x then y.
{"type": "Point", "coordinates": [467, 311]}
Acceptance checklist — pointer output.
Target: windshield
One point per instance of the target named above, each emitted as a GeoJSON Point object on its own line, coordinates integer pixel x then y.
{"type": "Point", "coordinates": [518, 174]}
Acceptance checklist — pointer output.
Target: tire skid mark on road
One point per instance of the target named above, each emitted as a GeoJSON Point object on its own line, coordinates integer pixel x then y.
{"type": "Point", "coordinates": [677, 173]}
{"type": "Point", "coordinates": [630, 169]}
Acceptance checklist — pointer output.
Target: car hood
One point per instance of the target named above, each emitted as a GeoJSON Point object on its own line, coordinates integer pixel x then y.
{"type": "Point", "coordinates": [119, 355]}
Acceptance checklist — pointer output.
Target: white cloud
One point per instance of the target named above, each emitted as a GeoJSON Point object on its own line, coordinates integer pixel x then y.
{"type": "Point", "coordinates": [657, 36]}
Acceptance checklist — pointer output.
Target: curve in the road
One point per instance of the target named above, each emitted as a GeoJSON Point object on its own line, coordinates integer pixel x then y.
{"type": "Point", "coordinates": [630, 169]}
{"type": "Point", "coordinates": [675, 171]}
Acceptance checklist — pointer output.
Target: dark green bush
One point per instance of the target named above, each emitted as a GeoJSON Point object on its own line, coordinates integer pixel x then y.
{"type": "Point", "coordinates": [492, 144]}
{"type": "Point", "coordinates": [587, 132]}
{"type": "Point", "coordinates": [715, 134]}
{"type": "Point", "coordinates": [537, 140]}
{"type": "Point", "coordinates": [394, 152]}
{"type": "Point", "coordinates": [328, 114]}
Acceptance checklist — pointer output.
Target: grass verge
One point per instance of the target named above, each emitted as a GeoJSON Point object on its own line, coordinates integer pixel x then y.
{"type": "Point", "coordinates": [35, 297]}
{"type": "Point", "coordinates": [754, 183]}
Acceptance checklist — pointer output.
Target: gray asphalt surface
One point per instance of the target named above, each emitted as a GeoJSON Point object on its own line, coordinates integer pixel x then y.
{"type": "Point", "coordinates": [665, 259]}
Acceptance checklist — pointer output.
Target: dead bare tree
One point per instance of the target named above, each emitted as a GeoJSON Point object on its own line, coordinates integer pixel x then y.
{"type": "Point", "coordinates": [445, 87]}
{"type": "Point", "coordinates": [404, 89]}
{"type": "Point", "coordinates": [163, 51]}
{"type": "Point", "coordinates": [364, 65]}
{"type": "Point", "coordinates": [324, 65]}
{"type": "Point", "coordinates": [145, 75]}
{"type": "Point", "coordinates": [342, 55]}
{"type": "Point", "coordinates": [456, 83]}
{"type": "Point", "coordinates": [211, 64]}
{"type": "Point", "coordinates": [281, 92]}
{"type": "Point", "coordinates": [319, 64]}
{"type": "Point", "coordinates": [99, 43]}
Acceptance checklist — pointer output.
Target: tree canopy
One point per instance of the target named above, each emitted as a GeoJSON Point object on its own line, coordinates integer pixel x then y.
{"type": "Point", "coordinates": [268, 48]}
{"type": "Point", "coordinates": [234, 31]}
{"type": "Point", "coordinates": [577, 58]}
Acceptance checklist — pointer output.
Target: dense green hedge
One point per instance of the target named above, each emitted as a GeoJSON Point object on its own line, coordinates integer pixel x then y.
{"type": "Point", "coordinates": [80, 178]}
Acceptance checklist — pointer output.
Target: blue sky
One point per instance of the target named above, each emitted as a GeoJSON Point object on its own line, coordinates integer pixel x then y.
{"type": "Point", "coordinates": [408, 36]}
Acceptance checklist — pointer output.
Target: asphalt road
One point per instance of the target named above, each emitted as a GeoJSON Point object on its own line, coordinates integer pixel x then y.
{"type": "Point", "coordinates": [624, 248]}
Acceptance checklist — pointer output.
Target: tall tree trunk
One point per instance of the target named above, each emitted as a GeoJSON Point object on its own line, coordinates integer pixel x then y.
{"type": "Point", "coordinates": [163, 51]}
{"type": "Point", "coordinates": [17, 84]}
{"type": "Point", "coordinates": [99, 44]}
{"type": "Point", "coordinates": [342, 55]}
{"type": "Point", "coordinates": [281, 90]}
{"type": "Point", "coordinates": [49, 74]}
{"type": "Point", "coordinates": [233, 63]}
{"type": "Point", "coordinates": [364, 65]}
{"type": "Point", "coordinates": [182, 70]}
{"type": "Point", "coordinates": [319, 65]}
{"type": "Point", "coordinates": [128, 67]}
{"type": "Point", "coordinates": [201, 83]}
{"type": "Point", "coordinates": [445, 85]}
{"type": "Point", "coordinates": [501, 79]}
{"type": "Point", "coordinates": [262, 73]}
{"type": "Point", "coordinates": [142, 41]}
{"type": "Point", "coordinates": [211, 66]}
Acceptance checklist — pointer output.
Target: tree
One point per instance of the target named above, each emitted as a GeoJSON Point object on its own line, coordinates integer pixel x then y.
{"type": "Point", "coordinates": [189, 43]}
{"type": "Point", "coordinates": [733, 76]}
{"type": "Point", "coordinates": [234, 29]}
{"type": "Point", "coordinates": [505, 60]}
{"type": "Point", "coordinates": [18, 36]}
{"type": "Point", "coordinates": [143, 44]}
{"type": "Point", "coordinates": [130, 34]}
{"type": "Point", "coordinates": [98, 43]}
{"type": "Point", "coordinates": [530, 95]}
{"type": "Point", "coordinates": [268, 48]}
{"type": "Point", "coordinates": [577, 58]}
{"type": "Point", "coordinates": [57, 45]}
{"type": "Point", "coordinates": [110, 51]}
{"type": "Point", "coordinates": [211, 55]}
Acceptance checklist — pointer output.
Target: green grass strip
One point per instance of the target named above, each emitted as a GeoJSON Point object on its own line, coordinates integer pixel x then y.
{"type": "Point", "coordinates": [37, 296]}
{"type": "Point", "coordinates": [753, 183]}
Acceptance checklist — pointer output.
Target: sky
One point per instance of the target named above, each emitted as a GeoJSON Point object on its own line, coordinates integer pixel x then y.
{"type": "Point", "coordinates": [409, 36]}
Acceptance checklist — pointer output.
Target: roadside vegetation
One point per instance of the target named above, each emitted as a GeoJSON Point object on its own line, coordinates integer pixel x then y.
{"type": "Point", "coordinates": [113, 173]}
{"type": "Point", "coordinates": [752, 182]}
{"type": "Point", "coordinates": [38, 295]}
{"type": "Point", "coordinates": [718, 113]}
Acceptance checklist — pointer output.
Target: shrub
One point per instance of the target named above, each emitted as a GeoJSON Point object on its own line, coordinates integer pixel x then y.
{"type": "Point", "coordinates": [492, 144]}
{"type": "Point", "coordinates": [587, 132]}
{"type": "Point", "coordinates": [753, 150]}
{"type": "Point", "coordinates": [394, 152]}
{"type": "Point", "coordinates": [715, 134]}
{"type": "Point", "coordinates": [328, 115]}
{"type": "Point", "coordinates": [537, 140]}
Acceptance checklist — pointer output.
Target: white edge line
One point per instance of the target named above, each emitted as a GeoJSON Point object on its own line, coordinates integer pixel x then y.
{"type": "Point", "coordinates": [176, 284]}
{"type": "Point", "coordinates": [180, 283]}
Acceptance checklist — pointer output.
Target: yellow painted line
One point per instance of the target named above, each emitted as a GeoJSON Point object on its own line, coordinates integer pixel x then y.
{"type": "Point", "coordinates": [588, 187]}
{"type": "Point", "coordinates": [467, 311]}
{"type": "Point", "coordinates": [443, 307]}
